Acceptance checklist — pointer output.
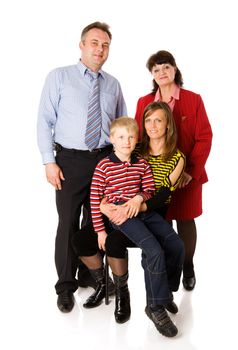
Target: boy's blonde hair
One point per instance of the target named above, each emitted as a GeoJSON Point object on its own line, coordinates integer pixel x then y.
{"type": "Point", "coordinates": [125, 122]}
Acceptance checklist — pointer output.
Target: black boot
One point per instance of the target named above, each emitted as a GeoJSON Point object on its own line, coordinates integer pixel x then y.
{"type": "Point", "coordinates": [122, 303]}
{"type": "Point", "coordinates": [96, 298]}
{"type": "Point", "coordinates": [86, 279]}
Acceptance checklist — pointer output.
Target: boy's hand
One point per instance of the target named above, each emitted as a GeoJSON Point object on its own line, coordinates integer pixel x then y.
{"type": "Point", "coordinates": [102, 235]}
{"type": "Point", "coordinates": [133, 206]}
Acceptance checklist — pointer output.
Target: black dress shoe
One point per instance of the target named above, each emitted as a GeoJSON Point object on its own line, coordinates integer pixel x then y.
{"type": "Point", "coordinates": [96, 298]}
{"type": "Point", "coordinates": [189, 282]}
{"type": "Point", "coordinates": [65, 301]}
{"type": "Point", "coordinates": [172, 307]}
{"type": "Point", "coordinates": [162, 321]}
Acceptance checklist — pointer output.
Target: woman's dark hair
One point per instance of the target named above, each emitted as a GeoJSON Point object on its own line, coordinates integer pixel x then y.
{"type": "Point", "coordinates": [162, 57]}
{"type": "Point", "coordinates": [171, 135]}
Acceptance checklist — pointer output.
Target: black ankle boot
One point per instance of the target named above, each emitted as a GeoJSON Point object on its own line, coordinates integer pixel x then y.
{"type": "Point", "coordinates": [86, 279]}
{"type": "Point", "coordinates": [96, 298]}
{"type": "Point", "coordinates": [122, 303]}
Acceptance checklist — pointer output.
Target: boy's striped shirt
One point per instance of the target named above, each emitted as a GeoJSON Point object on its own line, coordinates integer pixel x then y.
{"type": "Point", "coordinates": [119, 181]}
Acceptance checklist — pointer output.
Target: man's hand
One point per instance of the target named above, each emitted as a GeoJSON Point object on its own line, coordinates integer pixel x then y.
{"type": "Point", "coordinates": [54, 175]}
{"type": "Point", "coordinates": [133, 206]}
{"type": "Point", "coordinates": [115, 213]}
{"type": "Point", "coordinates": [185, 180]}
{"type": "Point", "coordinates": [102, 235]}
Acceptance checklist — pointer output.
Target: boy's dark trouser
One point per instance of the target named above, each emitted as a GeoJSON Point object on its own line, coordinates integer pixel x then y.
{"type": "Point", "coordinates": [78, 168]}
{"type": "Point", "coordinates": [162, 254]}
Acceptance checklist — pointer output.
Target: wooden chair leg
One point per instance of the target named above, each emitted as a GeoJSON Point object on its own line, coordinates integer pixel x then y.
{"type": "Point", "coordinates": [106, 281]}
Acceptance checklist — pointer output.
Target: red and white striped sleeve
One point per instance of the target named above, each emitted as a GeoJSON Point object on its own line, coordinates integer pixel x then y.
{"type": "Point", "coordinates": [96, 195]}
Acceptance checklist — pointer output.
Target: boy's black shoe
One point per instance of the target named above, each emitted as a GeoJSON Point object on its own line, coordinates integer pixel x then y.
{"type": "Point", "coordinates": [171, 307]}
{"type": "Point", "coordinates": [162, 321]}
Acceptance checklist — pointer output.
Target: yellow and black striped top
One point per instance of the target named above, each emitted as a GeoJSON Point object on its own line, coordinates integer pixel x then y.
{"type": "Point", "coordinates": [161, 170]}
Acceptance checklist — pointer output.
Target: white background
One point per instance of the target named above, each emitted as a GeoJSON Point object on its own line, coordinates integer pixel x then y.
{"type": "Point", "coordinates": [37, 36]}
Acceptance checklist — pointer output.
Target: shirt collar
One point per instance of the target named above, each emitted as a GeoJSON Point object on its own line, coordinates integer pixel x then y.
{"type": "Point", "coordinates": [113, 158]}
{"type": "Point", "coordinates": [174, 95]}
{"type": "Point", "coordinates": [82, 68]}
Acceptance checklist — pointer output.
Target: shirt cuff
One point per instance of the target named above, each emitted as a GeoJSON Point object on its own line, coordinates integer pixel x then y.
{"type": "Point", "coordinates": [48, 158]}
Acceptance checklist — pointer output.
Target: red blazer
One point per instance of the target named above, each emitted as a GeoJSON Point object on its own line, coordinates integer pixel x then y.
{"type": "Point", "coordinates": [193, 127]}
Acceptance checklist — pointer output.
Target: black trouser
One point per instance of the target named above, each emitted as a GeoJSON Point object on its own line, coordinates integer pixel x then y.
{"type": "Point", "coordinates": [78, 168]}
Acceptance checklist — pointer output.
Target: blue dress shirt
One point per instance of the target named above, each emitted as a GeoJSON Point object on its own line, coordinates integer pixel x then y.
{"type": "Point", "coordinates": [63, 109]}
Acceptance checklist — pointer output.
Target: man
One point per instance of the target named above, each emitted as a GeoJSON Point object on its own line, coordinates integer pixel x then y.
{"type": "Point", "coordinates": [77, 105]}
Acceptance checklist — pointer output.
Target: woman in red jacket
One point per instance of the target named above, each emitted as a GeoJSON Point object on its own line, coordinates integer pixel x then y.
{"type": "Point", "coordinates": [194, 140]}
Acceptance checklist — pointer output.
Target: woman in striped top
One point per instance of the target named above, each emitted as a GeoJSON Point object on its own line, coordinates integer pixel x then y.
{"type": "Point", "coordinates": [159, 148]}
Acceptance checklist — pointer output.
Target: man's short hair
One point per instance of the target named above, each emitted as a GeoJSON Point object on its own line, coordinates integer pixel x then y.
{"type": "Point", "coordinates": [98, 25]}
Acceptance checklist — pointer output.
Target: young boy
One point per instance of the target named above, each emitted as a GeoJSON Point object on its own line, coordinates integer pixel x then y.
{"type": "Point", "coordinates": [124, 178]}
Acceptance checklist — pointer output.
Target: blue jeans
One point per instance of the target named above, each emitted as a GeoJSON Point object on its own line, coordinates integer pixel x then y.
{"type": "Point", "coordinates": [162, 254]}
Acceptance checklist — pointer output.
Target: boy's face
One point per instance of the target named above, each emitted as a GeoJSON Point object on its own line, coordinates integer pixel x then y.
{"type": "Point", "coordinates": [124, 142]}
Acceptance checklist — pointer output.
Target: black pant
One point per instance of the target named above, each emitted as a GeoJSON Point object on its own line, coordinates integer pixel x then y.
{"type": "Point", "coordinates": [78, 168]}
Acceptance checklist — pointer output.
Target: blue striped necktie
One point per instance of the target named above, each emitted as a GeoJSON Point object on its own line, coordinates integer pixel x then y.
{"type": "Point", "coordinates": [93, 128]}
